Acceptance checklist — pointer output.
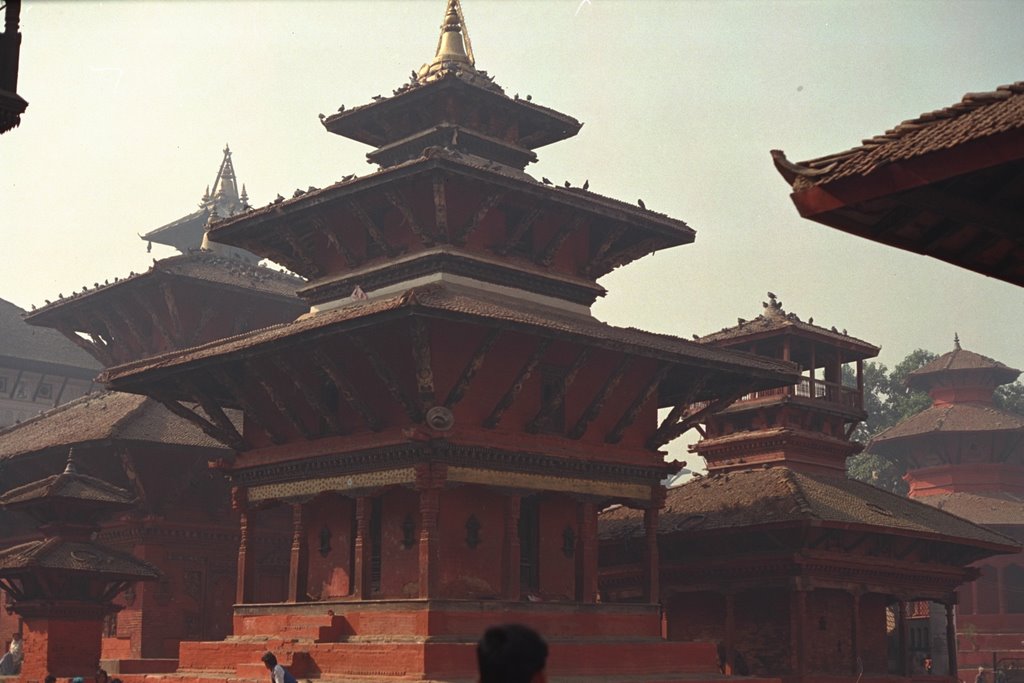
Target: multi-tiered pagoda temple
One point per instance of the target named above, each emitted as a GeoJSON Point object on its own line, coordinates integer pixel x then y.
{"type": "Point", "coordinates": [446, 421]}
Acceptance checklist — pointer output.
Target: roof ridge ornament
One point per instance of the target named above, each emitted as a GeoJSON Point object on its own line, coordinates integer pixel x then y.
{"type": "Point", "coordinates": [454, 50]}
{"type": "Point", "coordinates": [70, 467]}
{"type": "Point", "coordinates": [956, 341]}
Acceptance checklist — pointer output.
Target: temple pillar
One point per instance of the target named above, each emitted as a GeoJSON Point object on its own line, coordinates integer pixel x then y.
{"type": "Point", "coordinates": [298, 566]}
{"type": "Point", "coordinates": [245, 575]}
{"type": "Point", "coordinates": [855, 660]}
{"type": "Point", "coordinates": [797, 624]}
{"type": "Point", "coordinates": [513, 588]}
{"type": "Point", "coordinates": [950, 606]}
{"type": "Point", "coordinates": [1001, 589]}
{"type": "Point", "coordinates": [903, 638]}
{"type": "Point", "coordinates": [361, 549]}
{"type": "Point", "coordinates": [428, 558]}
{"type": "Point", "coordinates": [651, 575]}
{"type": "Point", "coordinates": [729, 644]}
{"type": "Point", "coordinates": [587, 553]}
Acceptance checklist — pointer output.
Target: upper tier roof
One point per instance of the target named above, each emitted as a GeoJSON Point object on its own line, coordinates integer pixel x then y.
{"type": "Point", "coordinates": [950, 418]}
{"type": "Point", "coordinates": [75, 557]}
{"type": "Point", "coordinates": [20, 341]}
{"type": "Point", "coordinates": [753, 499]}
{"type": "Point", "coordinates": [996, 508]}
{"type": "Point", "coordinates": [69, 485]}
{"type": "Point", "coordinates": [956, 361]}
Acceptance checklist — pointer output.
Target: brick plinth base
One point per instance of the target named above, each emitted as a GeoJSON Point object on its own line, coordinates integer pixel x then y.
{"type": "Point", "coordinates": [60, 646]}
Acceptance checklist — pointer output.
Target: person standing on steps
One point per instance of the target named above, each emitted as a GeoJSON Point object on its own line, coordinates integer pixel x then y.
{"type": "Point", "coordinates": [278, 674]}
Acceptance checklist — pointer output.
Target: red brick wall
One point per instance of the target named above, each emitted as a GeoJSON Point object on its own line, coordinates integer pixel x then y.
{"type": "Point", "coordinates": [329, 574]}
{"type": "Point", "coordinates": [873, 642]}
{"type": "Point", "coordinates": [557, 572]}
{"type": "Point", "coordinates": [471, 572]}
{"type": "Point", "coordinates": [60, 647]}
{"type": "Point", "coordinates": [762, 631]}
{"type": "Point", "coordinates": [828, 632]}
{"type": "Point", "coordinates": [695, 616]}
{"type": "Point", "coordinates": [399, 565]}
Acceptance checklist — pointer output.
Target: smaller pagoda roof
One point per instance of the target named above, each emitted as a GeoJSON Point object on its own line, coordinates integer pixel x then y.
{"type": "Point", "coordinates": [756, 498]}
{"type": "Point", "coordinates": [68, 485]}
{"type": "Point", "coordinates": [75, 557]}
{"type": "Point", "coordinates": [775, 319]}
{"type": "Point", "coordinates": [957, 360]}
{"type": "Point", "coordinates": [998, 508]}
{"type": "Point", "coordinates": [950, 418]}
{"type": "Point", "coordinates": [104, 416]}
{"type": "Point", "coordinates": [471, 305]}
{"type": "Point", "coordinates": [23, 342]}
{"type": "Point", "coordinates": [204, 267]}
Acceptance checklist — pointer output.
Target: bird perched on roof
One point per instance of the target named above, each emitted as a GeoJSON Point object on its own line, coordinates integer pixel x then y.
{"type": "Point", "coordinates": [350, 176]}
{"type": "Point", "coordinates": [567, 184]}
{"type": "Point", "coordinates": [377, 97]}
{"type": "Point", "coordinates": [297, 193]}
{"type": "Point", "coordinates": [641, 204]}
{"type": "Point", "coordinates": [529, 98]}
{"type": "Point", "coordinates": [47, 301]}
{"type": "Point", "coordinates": [771, 295]}
{"type": "Point", "coordinates": [545, 180]}
{"type": "Point", "coordinates": [322, 116]}
{"type": "Point", "coordinates": [586, 184]}
{"type": "Point", "coordinates": [341, 108]}
{"type": "Point", "coordinates": [278, 199]}
{"type": "Point", "coordinates": [810, 321]}
{"type": "Point", "coordinates": [834, 329]}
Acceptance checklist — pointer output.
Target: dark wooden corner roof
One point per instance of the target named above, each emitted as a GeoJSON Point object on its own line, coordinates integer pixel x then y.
{"type": "Point", "coordinates": [945, 184]}
{"type": "Point", "coordinates": [22, 342]}
{"type": "Point", "coordinates": [751, 499]}
{"type": "Point", "coordinates": [102, 417]}
{"type": "Point", "coordinates": [454, 302]}
{"type": "Point", "coordinates": [76, 557]}
{"type": "Point", "coordinates": [959, 360]}
{"type": "Point", "coordinates": [69, 485]}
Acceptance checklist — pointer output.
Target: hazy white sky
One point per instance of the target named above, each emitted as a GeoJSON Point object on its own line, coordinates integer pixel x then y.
{"type": "Point", "coordinates": [130, 104]}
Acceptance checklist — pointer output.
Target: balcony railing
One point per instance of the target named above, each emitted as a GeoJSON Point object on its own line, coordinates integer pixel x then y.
{"type": "Point", "coordinates": [819, 389]}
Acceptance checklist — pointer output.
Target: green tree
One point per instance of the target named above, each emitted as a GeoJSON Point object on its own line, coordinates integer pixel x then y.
{"type": "Point", "coordinates": [888, 401]}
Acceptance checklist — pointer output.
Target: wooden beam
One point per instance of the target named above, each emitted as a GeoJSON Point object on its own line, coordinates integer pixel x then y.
{"type": "Point", "coordinates": [524, 224]}
{"type": "Point", "coordinates": [547, 255]}
{"type": "Point", "coordinates": [440, 210]}
{"type": "Point", "coordinates": [14, 384]}
{"type": "Point", "coordinates": [120, 335]}
{"type": "Point", "coordinates": [628, 417]}
{"type": "Point", "coordinates": [314, 400]}
{"type": "Point", "coordinates": [94, 349]}
{"type": "Point", "coordinates": [283, 407]}
{"type": "Point", "coordinates": [214, 412]}
{"type": "Point", "coordinates": [472, 367]}
{"type": "Point", "coordinates": [682, 404]}
{"type": "Point", "coordinates": [489, 202]}
{"type": "Point", "coordinates": [966, 211]}
{"type": "Point", "coordinates": [524, 373]}
{"type": "Point", "coordinates": [597, 404]}
{"type": "Point", "coordinates": [420, 336]}
{"type": "Point", "coordinates": [557, 398]}
{"type": "Point", "coordinates": [172, 311]}
{"type": "Point", "coordinates": [407, 216]}
{"type": "Point", "coordinates": [206, 316]}
{"type": "Point", "coordinates": [60, 393]}
{"type": "Point", "coordinates": [167, 337]}
{"type": "Point", "coordinates": [673, 431]}
{"type": "Point", "coordinates": [299, 251]}
{"type": "Point", "coordinates": [385, 374]}
{"type": "Point", "coordinates": [332, 239]}
{"type": "Point", "coordinates": [205, 425]}
{"type": "Point", "coordinates": [346, 389]}
{"type": "Point", "coordinates": [128, 320]}
{"type": "Point", "coordinates": [630, 253]}
{"type": "Point", "coordinates": [375, 233]}
{"type": "Point", "coordinates": [894, 220]}
{"type": "Point", "coordinates": [609, 240]}
{"type": "Point", "coordinates": [241, 397]}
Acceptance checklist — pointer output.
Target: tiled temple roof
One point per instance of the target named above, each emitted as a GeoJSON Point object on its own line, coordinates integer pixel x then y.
{"type": "Point", "coordinates": [956, 360]}
{"type": "Point", "coordinates": [103, 416]}
{"type": "Point", "coordinates": [998, 508]}
{"type": "Point", "coordinates": [955, 417]}
{"type": "Point", "coordinates": [976, 116]}
{"type": "Point", "coordinates": [68, 485]}
{"type": "Point", "coordinates": [781, 496]}
{"type": "Point", "coordinates": [20, 340]}
{"type": "Point", "coordinates": [74, 556]}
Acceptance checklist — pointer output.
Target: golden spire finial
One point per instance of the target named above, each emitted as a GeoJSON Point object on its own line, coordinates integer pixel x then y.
{"type": "Point", "coordinates": [453, 45]}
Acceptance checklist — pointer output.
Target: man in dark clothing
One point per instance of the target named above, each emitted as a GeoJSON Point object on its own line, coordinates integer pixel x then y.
{"type": "Point", "coordinates": [278, 674]}
{"type": "Point", "coordinates": [512, 654]}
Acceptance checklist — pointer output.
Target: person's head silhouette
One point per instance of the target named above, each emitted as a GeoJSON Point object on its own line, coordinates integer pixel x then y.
{"type": "Point", "coordinates": [512, 654]}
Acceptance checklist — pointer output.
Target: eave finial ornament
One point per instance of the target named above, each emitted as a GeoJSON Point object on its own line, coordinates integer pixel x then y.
{"type": "Point", "coordinates": [773, 307]}
{"type": "Point", "coordinates": [956, 341]}
{"type": "Point", "coordinates": [70, 468]}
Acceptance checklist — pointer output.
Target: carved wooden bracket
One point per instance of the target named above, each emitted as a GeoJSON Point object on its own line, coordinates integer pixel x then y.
{"type": "Point", "coordinates": [525, 371]}
{"type": "Point", "coordinates": [346, 388]}
{"type": "Point", "coordinates": [486, 206]}
{"type": "Point", "coordinates": [472, 367]}
{"type": "Point", "coordinates": [615, 435]}
{"type": "Point", "coordinates": [597, 404]}
{"type": "Point", "coordinates": [387, 376]}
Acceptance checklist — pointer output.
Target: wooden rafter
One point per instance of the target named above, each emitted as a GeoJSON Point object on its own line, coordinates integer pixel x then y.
{"type": "Point", "coordinates": [524, 373]}
{"type": "Point", "coordinates": [668, 432]}
{"type": "Point", "coordinates": [346, 388]}
{"type": "Point", "coordinates": [372, 229]}
{"type": "Point", "coordinates": [440, 210]}
{"type": "Point", "coordinates": [206, 316]}
{"type": "Point", "coordinates": [93, 348]}
{"type": "Point", "coordinates": [628, 417]}
{"type": "Point", "coordinates": [597, 404]}
{"type": "Point", "coordinates": [300, 252]}
{"type": "Point", "coordinates": [557, 397]}
{"type": "Point", "coordinates": [168, 337]}
{"type": "Point", "coordinates": [128, 320]}
{"type": "Point", "coordinates": [521, 228]}
{"type": "Point", "coordinates": [283, 407]}
{"type": "Point", "coordinates": [547, 255]}
{"type": "Point", "coordinates": [314, 400]}
{"type": "Point", "coordinates": [387, 376]}
{"type": "Point", "coordinates": [396, 201]}
{"type": "Point", "coordinates": [320, 228]}
{"type": "Point", "coordinates": [204, 424]}
{"type": "Point", "coordinates": [214, 412]}
{"type": "Point", "coordinates": [895, 220]}
{"type": "Point", "coordinates": [241, 397]}
{"type": "Point", "coordinates": [966, 211]}
{"type": "Point", "coordinates": [421, 358]}
{"type": "Point", "coordinates": [486, 206]}
{"type": "Point", "coordinates": [172, 311]}
{"type": "Point", "coordinates": [120, 334]}
{"type": "Point", "coordinates": [607, 243]}
{"type": "Point", "coordinates": [684, 403]}
{"type": "Point", "coordinates": [627, 254]}
{"type": "Point", "coordinates": [472, 367]}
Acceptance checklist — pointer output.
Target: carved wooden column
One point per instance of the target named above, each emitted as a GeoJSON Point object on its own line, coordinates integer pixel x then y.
{"type": "Point", "coordinates": [244, 577]}
{"type": "Point", "coordinates": [513, 589]}
{"type": "Point", "coordinates": [651, 585]}
{"type": "Point", "coordinates": [950, 606]}
{"type": "Point", "coordinates": [797, 626]}
{"type": "Point", "coordinates": [855, 631]}
{"type": "Point", "coordinates": [729, 646]}
{"type": "Point", "coordinates": [298, 567]}
{"type": "Point", "coordinates": [428, 559]}
{"type": "Point", "coordinates": [904, 637]}
{"type": "Point", "coordinates": [361, 550]}
{"type": "Point", "coordinates": [587, 575]}
{"type": "Point", "coordinates": [1000, 589]}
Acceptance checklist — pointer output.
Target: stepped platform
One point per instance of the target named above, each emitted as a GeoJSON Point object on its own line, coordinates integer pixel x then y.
{"type": "Point", "coordinates": [435, 640]}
